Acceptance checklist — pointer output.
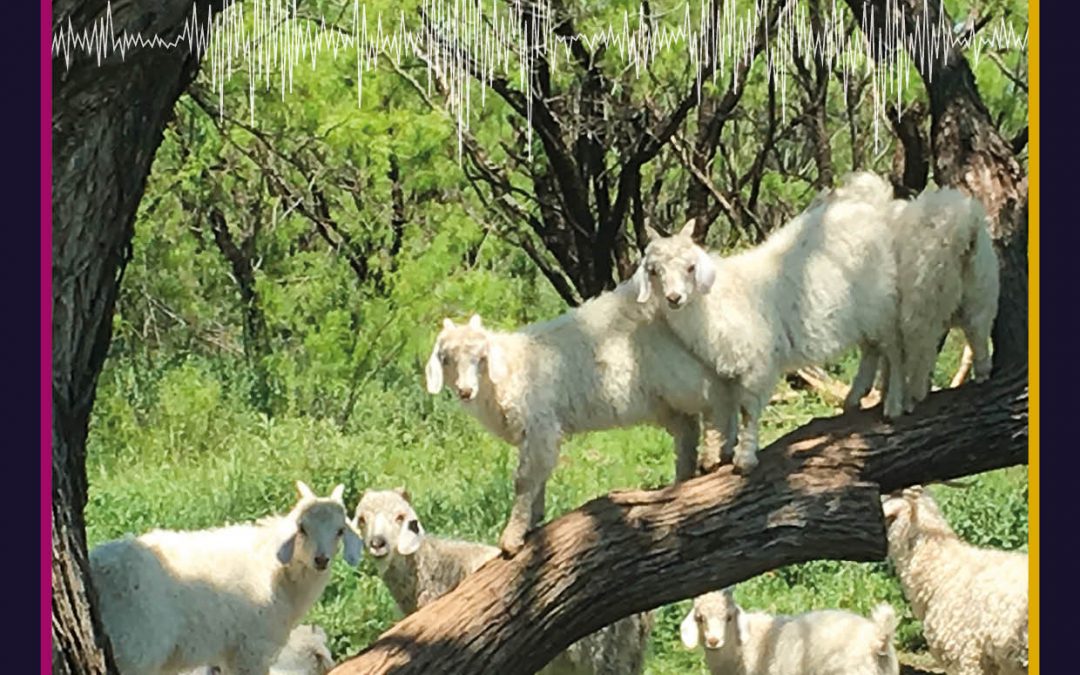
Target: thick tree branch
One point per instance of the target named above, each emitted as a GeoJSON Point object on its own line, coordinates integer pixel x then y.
{"type": "Point", "coordinates": [814, 496]}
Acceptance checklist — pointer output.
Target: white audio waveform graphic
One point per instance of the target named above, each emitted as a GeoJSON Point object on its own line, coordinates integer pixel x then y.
{"type": "Point", "coordinates": [465, 43]}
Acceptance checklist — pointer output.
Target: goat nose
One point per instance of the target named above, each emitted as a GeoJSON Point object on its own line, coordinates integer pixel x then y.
{"type": "Point", "coordinates": [712, 641]}
{"type": "Point", "coordinates": [378, 542]}
{"type": "Point", "coordinates": [465, 392]}
{"type": "Point", "coordinates": [321, 562]}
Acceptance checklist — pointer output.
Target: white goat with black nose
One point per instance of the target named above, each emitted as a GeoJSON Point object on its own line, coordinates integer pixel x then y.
{"type": "Point", "coordinates": [824, 282]}
{"type": "Point", "coordinates": [419, 568]}
{"type": "Point", "coordinates": [603, 365]}
{"type": "Point", "coordinates": [822, 642]}
{"type": "Point", "coordinates": [228, 597]}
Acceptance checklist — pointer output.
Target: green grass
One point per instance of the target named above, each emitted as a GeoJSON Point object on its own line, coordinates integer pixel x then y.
{"type": "Point", "coordinates": [191, 456]}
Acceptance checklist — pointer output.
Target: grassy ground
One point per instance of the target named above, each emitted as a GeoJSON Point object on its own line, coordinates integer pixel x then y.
{"type": "Point", "coordinates": [196, 459]}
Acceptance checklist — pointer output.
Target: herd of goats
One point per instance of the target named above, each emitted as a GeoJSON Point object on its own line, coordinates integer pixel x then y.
{"type": "Point", "coordinates": [693, 341]}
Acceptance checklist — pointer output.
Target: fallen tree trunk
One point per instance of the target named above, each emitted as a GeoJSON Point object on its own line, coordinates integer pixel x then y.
{"type": "Point", "coordinates": [814, 496]}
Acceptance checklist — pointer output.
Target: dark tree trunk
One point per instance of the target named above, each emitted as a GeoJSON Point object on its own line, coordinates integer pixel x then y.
{"type": "Point", "coordinates": [969, 152]}
{"type": "Point", "coordinates": [241, 254]}
{"type": "Point", "coordinates": [911, 161]}
{"type": "Point", "coordinates": [815, 495]}
{"type": "Point", "coordinates": [107, 123]}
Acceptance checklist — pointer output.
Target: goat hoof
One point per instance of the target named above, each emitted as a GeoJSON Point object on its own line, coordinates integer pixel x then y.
{"type": "Point", "coordinates": [707, 467]}
{"type": "Point", "coordinates": [512, 540]}
{"type": "Point", "coordinates": [892, 411]}
{"type": "Point", "coordinates": [745, 464]}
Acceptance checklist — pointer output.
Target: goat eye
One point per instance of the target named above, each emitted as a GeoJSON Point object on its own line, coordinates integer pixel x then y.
{"type": "Point", "coordinates": [652, 271]}
{"type": "Point", "coordinates": [361, 521]}
{"type": "Point", "coordinates": [341, 532]}
{"type": "Point", "coordinates": [303, 530]}
{"type": "Point", "coordinates": [444, 359]}
{"type": "Point", "coordinates": [690, 269]}
{"type": "Point", "coordinates": [400, 518]}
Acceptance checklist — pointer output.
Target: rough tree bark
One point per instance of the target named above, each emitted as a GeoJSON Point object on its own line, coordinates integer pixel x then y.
{"type": "Point", "coordinates": [969, 151]}
{"type": "Point", "coordinates": [814, 496]}
{"type": "Point", "coordinates": [911, 160]}
{"type": "Point", "coordinates": [107, 123]}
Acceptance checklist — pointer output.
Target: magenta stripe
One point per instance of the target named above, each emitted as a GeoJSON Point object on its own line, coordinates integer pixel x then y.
{"type": "Point", "coordinates": [46, 336]}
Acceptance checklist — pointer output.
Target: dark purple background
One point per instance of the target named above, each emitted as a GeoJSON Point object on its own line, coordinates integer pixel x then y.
{"type": "Point", "coordinates": [1060, 374]}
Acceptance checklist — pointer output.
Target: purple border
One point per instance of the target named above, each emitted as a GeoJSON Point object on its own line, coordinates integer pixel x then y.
{"type": "Point", "coordinates": [46, 335]}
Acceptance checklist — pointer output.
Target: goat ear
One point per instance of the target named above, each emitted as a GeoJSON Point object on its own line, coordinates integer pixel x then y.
{"type": "Point", "coordinates": [285, 551]}
{"type": "Point", "coordinates": [642, 283]}
{"type": "Point", "coordinates": [433, 372]}
{"type": "Point", "coordinates": [338, 495]}
{"type": "Point", "coordinates": [688, 631]}
{"type": "Point", "coordinates": [496, 362]}
{"type": "Point", "coordinates": [475, 322]}
{"type": "Point", "coordinates": [742, 623]}
{"type": "Point", "coordinates": [353, 546]}
{"type": "Point", "coordinates": [651, 234]}
{"type": "Point", "coordinates": [447, 324]}
{"type": "Point", "coordinates": [304, 490]}
{"type": "Point", "coordinates": [410, 536]}
{"type": "Point", "coordinates": [688, 229]}
{"type": "Point", "coordinates": [704, 271]}
{"type": "Point", "coordinates": [403, 493]}
{"type": "Point", "coordinates": [890, 508]}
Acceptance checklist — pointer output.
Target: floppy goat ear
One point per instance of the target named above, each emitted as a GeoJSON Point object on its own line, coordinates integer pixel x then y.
{"type": "Point", "coordinates": [496, 362]}
{"type": "Point", "coordinates": [640, 279]}
{"type": "Point", "coordinates": [688, 631]}
{"type": "Point", "coordinates": [410, 536]}
{"type": "Point", "coordinates": [353, 546]}
{"type": "Point", "coordinates": [704, 271]}
{"type": "Point", "coordinates": [890, 508]}
{"type": "Point", "coordinates": [433, 374]}
{"type": "Point", "coordinates": [285, 551]}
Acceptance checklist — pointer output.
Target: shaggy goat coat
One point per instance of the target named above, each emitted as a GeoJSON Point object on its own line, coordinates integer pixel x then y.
{"type": "Point", "coordinates": [948, 277]}
{"type": "Point", "coordinates": [603, 365]}
{"type": "Point", "coordinates": [972, 602]}
{"type": "Point", "coordinates": [824, 282]}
